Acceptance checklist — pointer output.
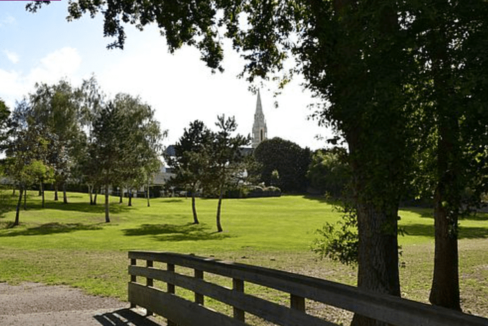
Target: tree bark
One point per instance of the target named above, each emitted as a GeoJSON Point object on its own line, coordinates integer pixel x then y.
{"type": "Point", "coordinates": [219, 206]}
{"type": "Point", "coordinates": [194, 208]}
{"type": "Point", "coordinates": [378, 255]}
{"type": "Point", "coordinates": [25, 198]}
{"type": "Point", "coordinates": [41, 190]}
{"type": "Point", "coordinates": [445, 282]}
{"type": "Point", "coordinates": [65, 195]}
{"type": "Point", "coordinates": [55, 192]}
{"type": "Point", "coordinates": [17, 211]}
{"type": "Point", "coordinates": [121, 195]}
{"type": "Point", "coordinates": [107, 203]}
{"type": "Point", "coordinates": [447, 198]}
{"type": "Point", "coordinates": [130, 197]}
{"type": "Point", "coordinates": [90, 191]}
{"type": "Point", "coordinates": [95, 198]}
{"type": "Point", "coordinates": [148, 203]}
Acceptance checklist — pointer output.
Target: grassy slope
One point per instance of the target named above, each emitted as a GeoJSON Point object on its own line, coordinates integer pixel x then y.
{"type": "Point", "coordinates": [70, 244]}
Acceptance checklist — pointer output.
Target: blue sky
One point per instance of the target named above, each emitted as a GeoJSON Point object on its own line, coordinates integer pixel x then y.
{"type": "Point", "coordinates": [44, 47]}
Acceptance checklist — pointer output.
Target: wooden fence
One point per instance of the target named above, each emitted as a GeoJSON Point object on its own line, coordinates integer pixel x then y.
{"type": "Point", "coordinates": [179, 311]}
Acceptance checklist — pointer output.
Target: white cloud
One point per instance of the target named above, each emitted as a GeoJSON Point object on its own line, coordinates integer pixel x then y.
{"type": "Point", "coordinates": [59, 64]}
{"type": "Point", "coordinates": [12, 56]}
{"type": "Point", "coordinates": [9, 20]}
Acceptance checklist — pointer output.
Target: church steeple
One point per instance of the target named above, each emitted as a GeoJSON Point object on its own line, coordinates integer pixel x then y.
{"type": "Point", "coordinates": [259, 129]}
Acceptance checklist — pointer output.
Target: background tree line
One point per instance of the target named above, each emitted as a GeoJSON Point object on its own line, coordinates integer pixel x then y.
{"type": "Point", "coordinates": [60, 134]}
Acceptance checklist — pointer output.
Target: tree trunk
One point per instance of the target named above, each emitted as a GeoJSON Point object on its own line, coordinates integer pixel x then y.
{"type": "Point", "coordinates": [41, 190]}
{"type": "Point", "coordinates": [219, 206]}
{"type": "Point", "coordinates": [90, 191]}
{"type": "Point", "coordinates": [107, 203]}
{"type": "Point", "coordinates": [121, 195]}
{"type": "Point", "coordinates": [447, 202]}
{"type": "Point", "coordinates": [378, 255]}
{"type": "Point", "coordinates": [56, 192]}
{"type": "Point", "coordinates": [13, 191]}
{"type": "Point", "coordinates": [65, 196]}
{"type": "Point", "coordinates": [445, 282]}
{"type": "Point", "coordinates": [447, 197]}
{"type": "Point", "coordinates": [148, 203]}
{"type": "Point", "coordinates": [130, 197]}
{"type": "Point", "coordinates": [25, 198]}
{"type": "Point", "coordinates": [95, 198]}
{"type": "Point", "coordinates": [194, 209]}
{"type": "Point", "coordinates": [17, 211]}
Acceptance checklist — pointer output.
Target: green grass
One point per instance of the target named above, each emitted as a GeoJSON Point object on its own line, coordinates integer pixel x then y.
{"type": "Point", "coordinates": [71, 244]}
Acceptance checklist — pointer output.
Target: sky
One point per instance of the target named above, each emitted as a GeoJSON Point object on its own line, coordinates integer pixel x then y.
{"type": "Point", "coordinates": [44, 47]}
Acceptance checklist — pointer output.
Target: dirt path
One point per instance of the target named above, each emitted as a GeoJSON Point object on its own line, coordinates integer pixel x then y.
{"type": "Point", "coordinates": [41, 305]}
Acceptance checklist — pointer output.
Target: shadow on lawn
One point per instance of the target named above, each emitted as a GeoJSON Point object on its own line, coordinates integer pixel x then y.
{"type": "Point", "coordinates": [428, 231]}
{"type": "Point", "coordinates": [429, 213]}
{"type": "Point", "coordinates": [172, 232]}
{"type": "Point", "coordinates": [53, 228]}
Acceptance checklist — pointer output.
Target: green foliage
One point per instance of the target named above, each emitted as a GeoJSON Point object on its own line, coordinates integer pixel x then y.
{"type": "Point", "coordinates": [4, 124]}
{"type": "Point", "coordinates": [329, 172]}
{"type": "Point", "coordinates": [339, 241]}
{"type": "Point", "coordinates": [283, 163]}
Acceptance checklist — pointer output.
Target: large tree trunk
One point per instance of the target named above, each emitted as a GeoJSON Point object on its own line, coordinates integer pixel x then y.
{"type": "Point", "coordinates": [55, 192]}
{"type": "Point", "coordinates": [65, 195]}
{"type": "Point", "coordinates": [445, 283]}
{"type": "Point", "coordinates": [107, 205]}
{"type": "Point", "coordinates": [219, 206]}
{"type": "Point", "coordinates": [194, 208]}
{"type": "Point", "coordinates": [447, 198]}
{"type": "Point", "coordinates": [41, 190]}
{"type": "Point", "coordinates": [17, 211]}
{"type": "Point", "coordinates": [378, 255]}
{"type": "Point", "coordinates": [447, 202]}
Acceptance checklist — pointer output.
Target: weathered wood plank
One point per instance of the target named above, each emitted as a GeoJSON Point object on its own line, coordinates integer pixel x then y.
{"type": "Point", "coordinates": [238, 286]}
{"type": "Point", "coordinates": [272, 312]}
{"type": "Point", "coordinates": [178, 310]}
{"type": "Point", "coordinates": [394, 310]}
{"type": "Point", "coordinates": [199, 298]}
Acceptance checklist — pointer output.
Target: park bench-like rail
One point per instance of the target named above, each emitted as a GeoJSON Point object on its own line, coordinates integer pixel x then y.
{"type": "Point", "coordinates": [180, 311]}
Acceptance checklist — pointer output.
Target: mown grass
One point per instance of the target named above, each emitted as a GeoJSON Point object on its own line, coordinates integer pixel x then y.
{"type": "Point", "coordinates": [70, 244]}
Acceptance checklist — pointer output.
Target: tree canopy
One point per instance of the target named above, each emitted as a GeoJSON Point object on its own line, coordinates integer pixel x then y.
{"type": "Point", "coordinates": [288, 159]}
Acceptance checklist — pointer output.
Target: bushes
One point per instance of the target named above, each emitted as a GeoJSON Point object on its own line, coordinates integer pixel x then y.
{"type": "Point", "coordinates": [253, 192]}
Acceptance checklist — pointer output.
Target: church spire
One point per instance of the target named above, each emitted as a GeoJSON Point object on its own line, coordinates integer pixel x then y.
{"type": "Point", "coordinates": [259, 129]}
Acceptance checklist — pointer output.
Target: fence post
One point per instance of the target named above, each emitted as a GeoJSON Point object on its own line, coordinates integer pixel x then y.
{"type": "Point", "coordinates": [238, 286]}
{"type": "Point", "coordinates": [297, 303]}
{"type": "Point", "coordinates": [149, 282]}
{"type": "Point", "coordinates": [171, 289]}
{"type": "Point", "coordinates": [133, 278]}
{"type": "Point", "coordinates": [199, 297]}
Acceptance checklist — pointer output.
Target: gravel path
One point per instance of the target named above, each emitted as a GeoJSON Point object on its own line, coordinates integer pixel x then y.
{"type": "Point", "coordinates": [41, 305]}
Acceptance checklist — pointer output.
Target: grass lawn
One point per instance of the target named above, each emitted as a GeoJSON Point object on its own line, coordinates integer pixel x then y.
{"type": "Point", "coordinates": [71, 244]}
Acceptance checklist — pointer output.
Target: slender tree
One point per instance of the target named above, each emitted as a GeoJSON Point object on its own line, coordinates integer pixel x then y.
{"type": "Point", "coordinates": [225, 158]}
{"type": "Point", "coordinates": [191, 160]}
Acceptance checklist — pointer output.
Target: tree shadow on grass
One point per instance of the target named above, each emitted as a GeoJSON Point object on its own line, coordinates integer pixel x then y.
{"type": "Point", "coordinates": [51, 228]}
{"type": "Point", "coordinates": [429, 213]}
{"type": "Point", "coordinates": [428, 231]}
{"type": "Point", "coordinates": [173, 232]}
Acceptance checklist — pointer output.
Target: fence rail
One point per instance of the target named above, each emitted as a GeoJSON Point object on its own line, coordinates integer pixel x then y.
{"type": "Point", "coordinates": [180, 311]}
